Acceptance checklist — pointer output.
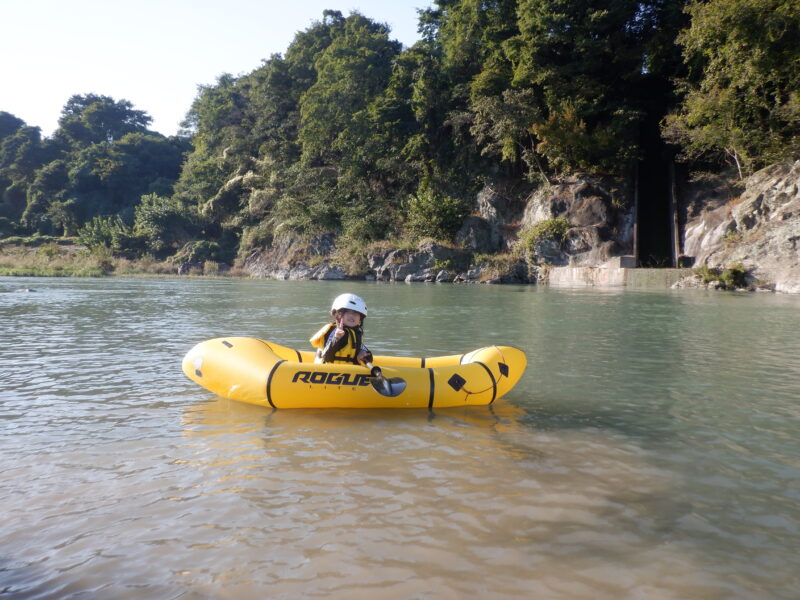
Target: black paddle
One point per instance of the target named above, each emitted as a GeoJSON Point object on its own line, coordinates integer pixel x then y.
{"type": "Point", "coordinates": [386, 387]}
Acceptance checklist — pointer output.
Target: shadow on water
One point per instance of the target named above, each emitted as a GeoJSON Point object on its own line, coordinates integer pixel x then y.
{"type": "Point", "coordinates": [642, 424]}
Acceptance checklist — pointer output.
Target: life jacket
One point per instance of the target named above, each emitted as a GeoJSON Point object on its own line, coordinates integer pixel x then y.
{"type": "Point", "coordinates": [345, 354]}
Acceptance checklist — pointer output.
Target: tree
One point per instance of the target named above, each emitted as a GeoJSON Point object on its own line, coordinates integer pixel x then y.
{"type": "Point", "coordinates": [164, 224]}
{"type": "Point", "coordinates": [22, 153]}
{"type": "Point", "coordinates": [351, 72]}
{"type": "Point", "coordinates": [50, 185]}
{"type": "Point", "coordinates": [553, 85]}
{"type": "Point", "coordinates": [742, 93]}
{"type": "Point", "coordinates": [93, 119]}
{"type": "Point", "coordinates": [9, 124]}
{"type": "Point", "coordinates": [109, 178]}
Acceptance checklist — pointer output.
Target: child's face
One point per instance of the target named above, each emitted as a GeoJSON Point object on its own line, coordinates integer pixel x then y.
{"type": "Point", "coordinates": [349, 318]}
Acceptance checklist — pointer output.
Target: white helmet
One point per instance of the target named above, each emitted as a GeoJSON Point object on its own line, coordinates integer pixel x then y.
{"type": "Point", "coordinates": [350, 301]}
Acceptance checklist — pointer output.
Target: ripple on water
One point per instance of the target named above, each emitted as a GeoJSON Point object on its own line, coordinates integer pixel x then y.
{"type": "Point", "coordinates": [646, 453]}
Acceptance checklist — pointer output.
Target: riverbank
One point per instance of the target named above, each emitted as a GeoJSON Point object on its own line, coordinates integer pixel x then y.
{"type": "Point", "coordinates": [65, 259]}
{"type": "Point", "coordinates": [47, 256]}
{"type": "Point", "coordinates": [737, 235]}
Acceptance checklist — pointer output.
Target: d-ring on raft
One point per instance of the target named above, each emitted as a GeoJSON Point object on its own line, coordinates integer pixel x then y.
{"type": "Point", "coordinates": [264, 373]}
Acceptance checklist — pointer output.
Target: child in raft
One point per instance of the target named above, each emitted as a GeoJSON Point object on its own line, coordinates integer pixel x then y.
{"type": "Point", "coordinates": [342, 340]}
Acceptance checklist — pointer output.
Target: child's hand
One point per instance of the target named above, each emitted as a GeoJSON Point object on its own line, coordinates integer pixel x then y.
{"type": "Point", "coordinates": [339, 332]}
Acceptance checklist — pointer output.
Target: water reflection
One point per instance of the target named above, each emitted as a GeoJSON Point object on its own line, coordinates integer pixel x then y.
{"type": "Point", "coordinates": [564, 513]}
{"type": "Point", "coordinates": [465, 430]}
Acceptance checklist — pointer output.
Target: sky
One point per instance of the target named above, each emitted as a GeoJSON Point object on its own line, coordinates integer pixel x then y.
{"type": "Point", "coordinates": [153, 53]}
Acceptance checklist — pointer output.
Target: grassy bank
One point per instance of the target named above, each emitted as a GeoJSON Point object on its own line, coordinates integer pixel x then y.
{"type": "Point", "coordinates": [62, 257]}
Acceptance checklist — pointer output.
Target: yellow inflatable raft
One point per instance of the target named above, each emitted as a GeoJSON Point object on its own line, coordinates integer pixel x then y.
{"type": "Point", "coordinates": [267, 374]}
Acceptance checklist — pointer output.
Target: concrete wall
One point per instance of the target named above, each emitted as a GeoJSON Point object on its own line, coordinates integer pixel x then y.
{"type": "Point", "coordinates": [615, 277]}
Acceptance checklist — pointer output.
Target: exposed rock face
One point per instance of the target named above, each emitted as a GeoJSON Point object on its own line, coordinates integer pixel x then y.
{"type": "Point", "coordinates": [430, 262]}
{"type": "Point", "coordinates": [599, 212]}
{"type": "Point", "coordinates": [492, 229]}
{"type": "Point", "coordinates": [759, 230]}
{"type": "Point", "coordinates": [601, 228]}
{"type": "Point", "coordinates": [291, 257]}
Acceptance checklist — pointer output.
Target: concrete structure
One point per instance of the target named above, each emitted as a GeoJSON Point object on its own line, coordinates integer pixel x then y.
{"type": "Point", "coordinates": [615, 276]}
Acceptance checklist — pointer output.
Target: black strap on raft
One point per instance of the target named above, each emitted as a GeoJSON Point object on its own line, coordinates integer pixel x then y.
{"type": "Point", "coordinates": [269, 382]}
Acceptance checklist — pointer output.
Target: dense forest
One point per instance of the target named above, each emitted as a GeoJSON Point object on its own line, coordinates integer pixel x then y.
{"type": "Point", "coordinates": [349, 132]}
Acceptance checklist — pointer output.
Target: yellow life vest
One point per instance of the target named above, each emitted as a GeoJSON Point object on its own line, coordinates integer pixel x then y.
{"type": "Point", "coordinates": [346, 354]}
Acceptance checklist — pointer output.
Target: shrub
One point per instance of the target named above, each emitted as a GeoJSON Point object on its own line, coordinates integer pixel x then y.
{"type": "Point", "coordinates": [368, 223]}
{"type": "Point", "coordinates": [210, 267]}
{"type": "Point", "coordinates": [163, 223]}
{"type": "Point", "coordinates": [100, 231]}
{"type": "Point", "coordinates": [103, 258]}
{"type": "Point", "coordinates": [255, 237]}
{"type": "Point", "coordinates": [552, 229]}
{"type": "Point", "coordinates": [730, 278]}
{"type": "Point", "coordinates": [198, 251]}
{"type": "Point", "coordinates": [501, 266]}
{"type": "Point", "coordinates": [433, 215]}
{"type": "Point", "coordinates": [50, 250]}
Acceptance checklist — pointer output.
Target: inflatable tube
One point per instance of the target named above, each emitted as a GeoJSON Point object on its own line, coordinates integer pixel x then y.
{"type": "Point", "coordinates": [267, 374]}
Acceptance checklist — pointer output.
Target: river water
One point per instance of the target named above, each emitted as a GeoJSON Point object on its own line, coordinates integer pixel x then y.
{"type": "Point", "coordinates": [650, 451]}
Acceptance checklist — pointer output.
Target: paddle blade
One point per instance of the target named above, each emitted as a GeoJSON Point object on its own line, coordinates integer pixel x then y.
{"type": "Point", "coordinates": [389, 387]}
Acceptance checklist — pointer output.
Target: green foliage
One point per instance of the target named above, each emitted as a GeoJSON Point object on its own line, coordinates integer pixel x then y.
{"type": "Point", "coordinates": [9, 124]}
{"type": "Point", "coordinates": [35, 241]}
{"type": "Point", "coordinates": [14, 200]}
{"type": "Point", "coordinates": [551, 229]}
{"type": "Point", "coordinates": [742, 92]}
{"type": "Point", "coordinates": [164, 224]}
{"type": "Point", "coordinates": [568, 144]}
{"type": "Point", "coordinates": [502, 124]}
{"type": "Point", "coordinates": [93, 119]}
{"type": "Point", "coordinates": [349, 133]}
{"type": "Point", "coordinates": [49, 250]}
{"type": "Point", "coordinates": [369, 222]}
{"type": "Point", "coordinates": [102, 232]}
{"type": "Point", "coordinates": [442, 264]}
{"type": "Point", "coordinates": [434, 214]}
{"type": "Point", "coordinates": [504, 266]}
{"type": "Point", "coordinates": [199, 251]}
{"type": "Point", "coordinates": [50, 184]}
{"type": "Point", "coordinates": [351, 72]}
{"type": "Point", "coordinates": [730, 278]}
{"type": "Point", "coordinates": [99, 162]}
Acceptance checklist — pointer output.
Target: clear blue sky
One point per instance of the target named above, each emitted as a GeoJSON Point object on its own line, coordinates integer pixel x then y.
{"type": "Point", "coordinates": [153, 53]}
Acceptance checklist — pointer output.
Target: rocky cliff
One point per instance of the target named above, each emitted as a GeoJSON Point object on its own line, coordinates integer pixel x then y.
{"type": "Point", "coordinates": [597, 225]}
{"type": "Point", "coordinates": [584, 221]}
{"type": "Point", "coordinates": [757, 230]}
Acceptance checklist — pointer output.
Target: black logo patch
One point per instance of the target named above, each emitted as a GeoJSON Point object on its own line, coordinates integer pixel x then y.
{"type": "Point", "coordinates": [456, 381]}
{"type": "Point", "coordinates": [323, 378]}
